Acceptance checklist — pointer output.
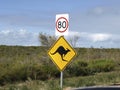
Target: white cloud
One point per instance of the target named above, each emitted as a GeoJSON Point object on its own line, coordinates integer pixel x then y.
{"type": "Point", "coordinates": [95, 37]}
{"type": "Point", "coordinates": [98, 10]}
{"type": "Point", "coordinates": [87, 39]}
{"type": "Point", "coordinates": [103, 10]}
{"type": "Point", "coordinates": [18, 37]}
{"type": "Point", "coordinates": [105, 40]}
{"type": "Point", "coordinates": [73, 33]}
{"type": "Point", "coordinates": [98, 37]}
{"type": "Point", "coordinates": [5, 32]}
{"type": "Point", "coordinates": [22, 32]}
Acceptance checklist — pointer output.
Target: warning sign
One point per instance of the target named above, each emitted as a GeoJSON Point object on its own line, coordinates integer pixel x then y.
{"type": "Point", "coordinates": [61, 53]}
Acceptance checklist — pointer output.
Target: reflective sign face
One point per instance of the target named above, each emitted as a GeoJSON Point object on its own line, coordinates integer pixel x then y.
{"type": "Point", "coordinates": [62, 24]}
{"type": "Point", "coordinates": [61, 53]}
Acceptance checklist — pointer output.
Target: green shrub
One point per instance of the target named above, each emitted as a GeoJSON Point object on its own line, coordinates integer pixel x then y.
{"type": "Point", "coordinates": [81, 68]}
{"type": "Point", "coordinates": [51, 71]}
{"type": "Point", "coordinates": [78, 68]}
{"type": "Point", "coordinates": [101, 66]}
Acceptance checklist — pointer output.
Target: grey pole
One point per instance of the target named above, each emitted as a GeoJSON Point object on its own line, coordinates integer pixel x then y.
{"type": "Point", "coordinates": [61, 80]}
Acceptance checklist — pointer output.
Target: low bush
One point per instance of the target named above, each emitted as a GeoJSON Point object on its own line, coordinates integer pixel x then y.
{"type": "Point", "coordinates": [78, 68]}
{"type": "Point", "coordinates": [21, 71]}
{"type": "Point", "coordinates": [81, 68]}
{"type": "Point", "coordinates": [97, 66]}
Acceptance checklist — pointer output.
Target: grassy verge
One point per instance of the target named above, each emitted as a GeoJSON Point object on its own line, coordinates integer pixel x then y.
{"type": "Point", "coordinates": [31, 68]}
{"type": "Point", "coordinates": [100, 79]}
{"type": "Point", "coordinates": [110, 78]}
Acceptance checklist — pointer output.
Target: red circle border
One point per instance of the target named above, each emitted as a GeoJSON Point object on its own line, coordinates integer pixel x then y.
{"type": "Point", "coordinates": [66, 24]}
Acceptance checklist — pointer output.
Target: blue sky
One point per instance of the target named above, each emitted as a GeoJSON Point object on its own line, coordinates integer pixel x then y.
{"type": "Point", "coordinates": [96, 22]}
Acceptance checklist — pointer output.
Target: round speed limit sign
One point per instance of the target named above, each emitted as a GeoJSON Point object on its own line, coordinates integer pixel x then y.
{"type": "Point", "coordinates": [62, 24]}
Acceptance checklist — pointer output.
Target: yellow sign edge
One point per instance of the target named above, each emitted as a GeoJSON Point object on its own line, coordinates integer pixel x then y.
{"type": "Point", "coordinates": [70, 47]}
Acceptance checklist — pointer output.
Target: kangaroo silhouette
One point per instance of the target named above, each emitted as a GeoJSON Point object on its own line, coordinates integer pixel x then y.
{"type": "Point", "coordinates": [61, 50]}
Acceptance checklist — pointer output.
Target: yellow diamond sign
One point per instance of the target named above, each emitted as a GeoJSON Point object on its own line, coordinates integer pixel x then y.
{"type": "Point", "coordinates": [61, 53]}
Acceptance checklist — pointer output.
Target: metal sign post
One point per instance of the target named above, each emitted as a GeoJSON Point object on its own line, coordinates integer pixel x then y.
{"type": "Point", "coordinates": [61, 80]}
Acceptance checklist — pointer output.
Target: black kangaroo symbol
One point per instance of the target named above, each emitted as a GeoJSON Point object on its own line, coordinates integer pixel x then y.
{"type": "Point", "coordinates": [61, 50]}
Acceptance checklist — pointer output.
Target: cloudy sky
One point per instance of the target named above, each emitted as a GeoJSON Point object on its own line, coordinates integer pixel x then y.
{"type": "Point", "coordinates": [96, 22]}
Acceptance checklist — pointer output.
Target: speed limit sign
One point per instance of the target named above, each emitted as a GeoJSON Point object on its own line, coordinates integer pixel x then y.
{"type": "Point", "coordinates": [62, 24]}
